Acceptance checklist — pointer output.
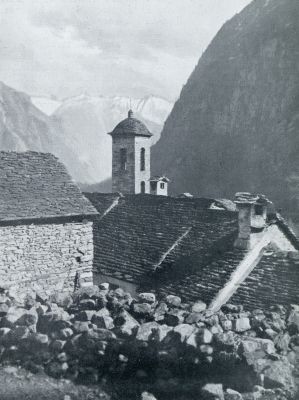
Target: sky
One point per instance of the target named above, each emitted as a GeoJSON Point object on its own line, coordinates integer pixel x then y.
{"type": "Point", "coordinates": [133, 48]}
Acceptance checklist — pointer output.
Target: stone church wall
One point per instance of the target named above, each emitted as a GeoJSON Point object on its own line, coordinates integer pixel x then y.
{"type": "Point", "coordinates": [46, 257]}
{"type": "Point", "coordinates": [129, 180]}
{"type": "Point", "coordinates": [123, 180]}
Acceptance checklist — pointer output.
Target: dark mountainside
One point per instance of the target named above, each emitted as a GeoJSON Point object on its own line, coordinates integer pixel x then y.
{"type": "Point", "coordinates": [235, 125]}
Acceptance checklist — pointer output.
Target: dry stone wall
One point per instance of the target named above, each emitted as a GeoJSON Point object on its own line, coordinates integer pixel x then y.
{"type": "Point", "coordinates": [156, 350]}
{"type": "Point", "coordinates": [46, 257]}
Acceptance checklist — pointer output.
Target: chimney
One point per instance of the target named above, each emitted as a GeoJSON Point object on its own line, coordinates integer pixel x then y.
{"type": "Point", "coordinates": [252, 218]}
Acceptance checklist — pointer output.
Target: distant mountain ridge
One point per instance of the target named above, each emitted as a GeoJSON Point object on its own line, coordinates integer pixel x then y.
{"type": "Point", "coordinates": [75, 129]}
{"type": "Point", "coordinates": [236, 124]}
{"type": "Point", "coordinates": [24, 127]}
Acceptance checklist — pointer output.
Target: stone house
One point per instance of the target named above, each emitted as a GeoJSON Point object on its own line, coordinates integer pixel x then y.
{"type": "Point", "coordinates": [207, 249]}
{"type": "Point", "coordinates": [196, 248]}
{"type": "Point", "coordinates": [159, 185]}
{"type": "Point", "coordinates": [46, 238]}
{"type": "Point", "coordinates": [192, 248]}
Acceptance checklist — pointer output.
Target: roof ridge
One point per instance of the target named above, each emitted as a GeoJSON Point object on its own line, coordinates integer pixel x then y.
{"type": "Point", "coordinates": [171, 248]}
{"type": "Point", "coordinates": [114, 204]}
{"type": "Point", "coordinates": [26, 152]}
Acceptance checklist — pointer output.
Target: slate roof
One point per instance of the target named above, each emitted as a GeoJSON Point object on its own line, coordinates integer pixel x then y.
{"type": "Point", "coordinates": [37, 186]}
{"type": "Point", "coordinates": [131, 126]}
{"type": "Point", "coordinates": [144, 233]}
{"type": "Point", "coordinates": [159, 178]}
{"type": "Point", "coordinates": [200, 277]}
{"type": "Point", "coordinates": [180, 246]}
{"type": "Point", "coordinates": [275, 280]}
{"type": "Point", "coordinates": [290, 234]}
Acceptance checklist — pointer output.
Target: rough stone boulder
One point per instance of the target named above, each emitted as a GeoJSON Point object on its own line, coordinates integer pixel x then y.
{"type": "Point", "coordinates": [147, 330]}
{"type": "Point", "coordinates": [282, 341]}
{"type": "Point", "coordinates": [231, 308]}
{"type": "Point", "coordinates": [212, 391]}
{"type": "Point", "coordinates": [174, 317]}
{"type": "Point", "coordinates": [19, 316]}
{"type": "Point", "coordinates": [105, 322]}
{"type": "Point", "coordinates": [81, 326]}
{"type": "Point", "coordinates": [142, 309]}
{"type": "Point", "coordinates": [231, 394]}
{"type": "Point", "coordinates": [62, 299]}
{"type": "Point", "coordinates": [86, 292]}
{"type": "Point", "coordinates": [226, 324]}
{"type": "Point", "coordinates": [160, 311]}
{"type": "Point", "coordinates": [276, 374]}
{"type": "Point", "coordinates": [193, 318]}
{"type": "Point", "coordinates": [147, 396]}
{"type": "Point", "coordinates": [147, 298]}
{"type": "Point", "coordinates": [241, 324]}
{"type": "Point", "coordinates": [254, 348]}
{"type": "Point", "coordinates": [198, 307]}
{"type": "Point", "coordinates": [3, 309]}
{"type": "Point", "coordinates": [161, 332]}
{"type": "Point", "coordinates": [100, 334]}
{"type": "Point", "coordinates": [126, 324]}
{"type": "Point", "coordinates": [293, 322]}
{"type": "Point", "coordinates": [184, 331]}
{"type": "Point", "coordinates": [88, 304]}
{"type": "Point", "coordinates": [227, 341]}
{"type": "Point", "coordinates": [57, 369]}
{"type": "Point", "coordinates": [49, 321]}
{"type": "Point", "coordinates": [173, 301]}
{"type": "Point", "coordinates": [85, 315]}
{"type": "Point", "coordinates": [4, 299]}
{"type": "Point", "coordinates": [17, 334]}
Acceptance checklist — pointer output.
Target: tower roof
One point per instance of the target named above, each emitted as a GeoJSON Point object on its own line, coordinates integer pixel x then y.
{"type": "Point", "coordinates": [131, 126]}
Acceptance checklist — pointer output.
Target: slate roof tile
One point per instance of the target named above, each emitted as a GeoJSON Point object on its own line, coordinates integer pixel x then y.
{"type": "Point", "coordinates": [131, 126]}
{"type": "Point", "coordinates": [275, 280]}
{"type": "Point", "coordinates": [37, 185]}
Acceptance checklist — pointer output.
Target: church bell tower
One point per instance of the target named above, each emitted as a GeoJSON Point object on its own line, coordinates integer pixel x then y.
{"type": "Point", "coordinates": [131, 144]}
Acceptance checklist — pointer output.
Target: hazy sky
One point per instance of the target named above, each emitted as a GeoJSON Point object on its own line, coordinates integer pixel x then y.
{"type": "Point", "coordinates": [106, 47]}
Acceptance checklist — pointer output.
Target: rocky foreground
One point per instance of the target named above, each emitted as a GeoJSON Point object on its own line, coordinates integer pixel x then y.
{"type": "Point", "coordinates": [147, 349]}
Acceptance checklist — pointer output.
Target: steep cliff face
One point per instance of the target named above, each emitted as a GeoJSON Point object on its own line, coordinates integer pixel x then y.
{"type": "Point", "coordinates": [235, 125]}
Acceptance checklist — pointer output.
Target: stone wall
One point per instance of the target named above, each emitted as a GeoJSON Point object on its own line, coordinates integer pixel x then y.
{"type": "Point", "coordinates": [46, 257]}
{"type": "Point", "coordinates": [123, 180]}
{"type": "Point", "coordinates": [171, 349]}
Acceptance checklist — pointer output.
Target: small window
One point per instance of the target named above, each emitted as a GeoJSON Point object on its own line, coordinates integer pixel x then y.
{"type": "Point", "coordinates": [258, 209]}
{"type": "Point", "coordinates": [142, 187]}
{"type": "Point", "coordinates": [162, 185]}
{"type": "Point", "coordinates": [142, 159]}
{"type": "Point", "coordinates": [123, 159]}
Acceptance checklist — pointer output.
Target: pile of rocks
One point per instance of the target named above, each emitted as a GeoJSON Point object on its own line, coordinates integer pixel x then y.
{"type": "Point", "coordinates": [163, 347]}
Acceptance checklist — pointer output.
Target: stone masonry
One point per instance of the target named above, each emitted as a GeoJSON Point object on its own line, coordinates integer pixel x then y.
{"type": "Point", "coordinates": [123, 180]}
{"type": "Point", "coordinates": [46, 257]}
{"type": "Point", "coordinates": [129, 180]}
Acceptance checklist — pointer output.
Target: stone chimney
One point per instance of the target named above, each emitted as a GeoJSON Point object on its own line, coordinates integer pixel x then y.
{"type": "Point", "coordinates": [252, 219]}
